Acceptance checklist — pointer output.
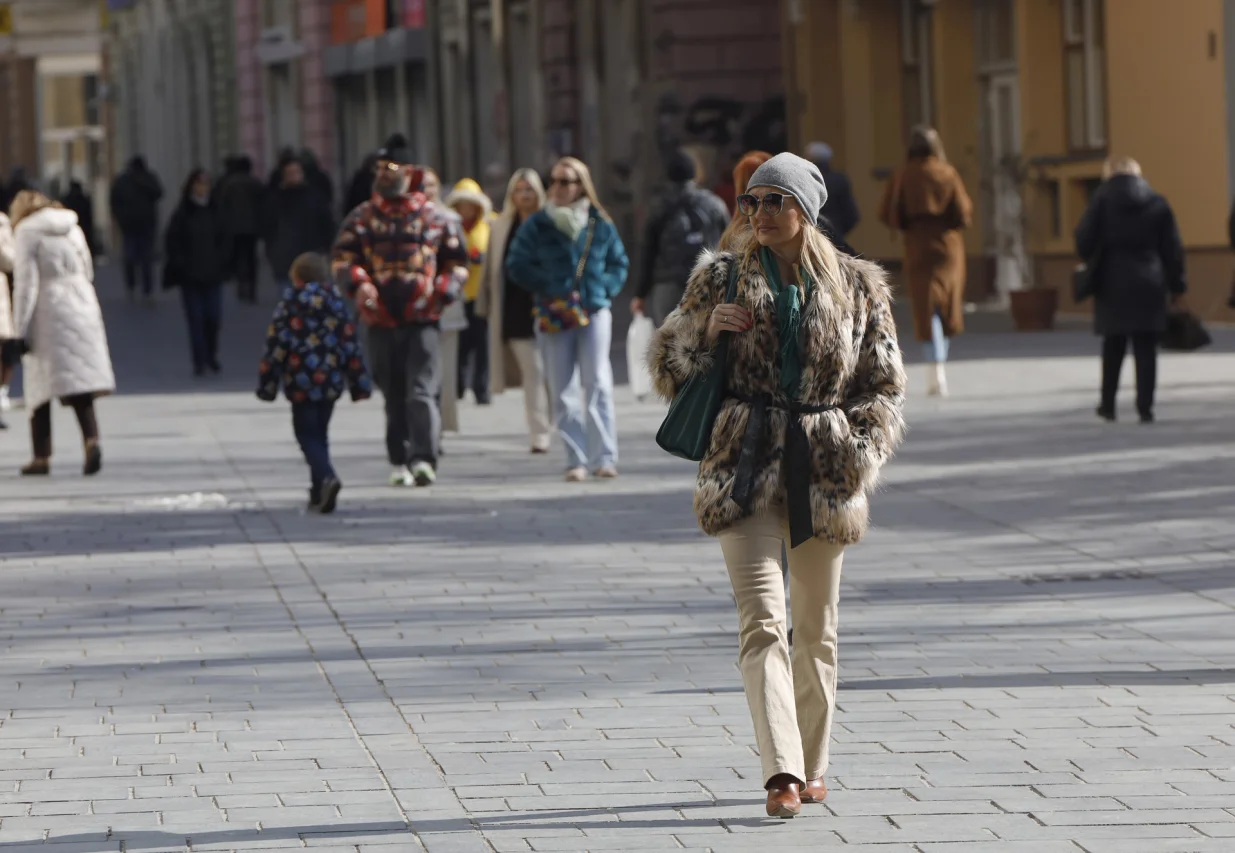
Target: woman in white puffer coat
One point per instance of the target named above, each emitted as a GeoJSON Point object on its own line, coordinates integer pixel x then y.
{"type": "Point", "coordinates": [7, 333]}
{"type": "Point", "coordinates": [56, 312]}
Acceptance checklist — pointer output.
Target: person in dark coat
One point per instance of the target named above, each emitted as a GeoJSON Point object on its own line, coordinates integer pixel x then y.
{"type": "Point", "coordinates": [298, 220]}
{"type": "Point", "coordinates": [1129, 232]}
{"type": "Point", "coordinates": [78, 201]}
{"type": "Point", "coordinates": [240, 202]}
{"type": "Point", "coordinates": [196, 252]}
{"type": "Point", "coordinates": [135, 196]}
{"type": "Point", "coordinates": [842, 208]}
{"type": "Point", "coordinates": [687, 220]}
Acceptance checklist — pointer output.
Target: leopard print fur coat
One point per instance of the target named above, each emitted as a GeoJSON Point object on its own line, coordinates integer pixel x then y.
{"type": "Point", "coordinates": [857, 367]}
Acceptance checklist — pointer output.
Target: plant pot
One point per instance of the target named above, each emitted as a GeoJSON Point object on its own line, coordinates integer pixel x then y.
{"type": "Point", "coordinates": [1034, 310]}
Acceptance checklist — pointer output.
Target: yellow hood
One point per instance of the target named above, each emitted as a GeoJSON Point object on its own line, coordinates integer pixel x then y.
{"type": "Point", "coordinates": [468, 190]}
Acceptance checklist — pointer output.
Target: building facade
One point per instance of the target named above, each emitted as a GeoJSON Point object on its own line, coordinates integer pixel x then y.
{"type": "Point", "coordinates": [285, 99]}
{"type": "Point", "coordinates": [1030, 97]}
{"type": "Point", "coordinates": [172, 85]}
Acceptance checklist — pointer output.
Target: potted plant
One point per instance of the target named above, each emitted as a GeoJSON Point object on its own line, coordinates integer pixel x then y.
{"type": "Point", "coordinates": [1033, 308]}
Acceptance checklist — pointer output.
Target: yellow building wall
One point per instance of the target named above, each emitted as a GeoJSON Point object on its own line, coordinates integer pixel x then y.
{"type": "Point", "coordinates": [958, 102]}
{"type": "Point", "coordinates": [1039, 25]}
{"type": "Point", "coordinates": [1166, 100]}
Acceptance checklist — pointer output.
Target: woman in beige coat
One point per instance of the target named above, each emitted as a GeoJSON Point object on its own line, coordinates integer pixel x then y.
{"type": "Point", "coordinates": [509, 311]}
{"type": "Point", "coordinates": [8, 252]}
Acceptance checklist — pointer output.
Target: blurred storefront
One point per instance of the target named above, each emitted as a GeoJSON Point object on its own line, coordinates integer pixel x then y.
{"type": "Point", "coordinates": [377, 62]}
{"type": "Point", "coordinates": [1030, 97]}
{"type": "Point", "coordinates": [171, 85]}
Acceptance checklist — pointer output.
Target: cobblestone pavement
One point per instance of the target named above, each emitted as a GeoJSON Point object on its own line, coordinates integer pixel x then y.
{"type": "Point", "coordinates": [1037, 638]}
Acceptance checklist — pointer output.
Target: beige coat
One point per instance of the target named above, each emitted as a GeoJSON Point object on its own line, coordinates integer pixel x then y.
{"type": "Point", "coordinates": [8, 254]}
{"type": "Point", "coordinates": [503, 369]}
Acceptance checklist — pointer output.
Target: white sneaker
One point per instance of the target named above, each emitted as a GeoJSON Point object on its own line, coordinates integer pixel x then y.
{"type": "Point", "coordinates": [936, 380]}
{"type": "Point", "coordinates": [576, 475]}
{"type": "Point", "coordinates": [423, 474]}
{"type": "Point", "coordinates": [401, 476]}
{"type": "Point", "coordinates": [5, 403]}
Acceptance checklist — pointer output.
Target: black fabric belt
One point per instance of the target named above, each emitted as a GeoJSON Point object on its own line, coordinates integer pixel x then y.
{"type": "Point", "coordinates": [795, 465]}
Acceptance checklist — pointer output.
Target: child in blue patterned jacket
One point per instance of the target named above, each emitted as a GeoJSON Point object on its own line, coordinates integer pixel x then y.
{"type": "Point", "coordinates": [313, 353]}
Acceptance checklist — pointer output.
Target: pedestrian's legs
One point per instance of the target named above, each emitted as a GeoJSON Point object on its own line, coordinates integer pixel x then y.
{"type": "Point", "coordinates": [245, 247]}
{"type": "Point", "coordinates": [936, 349]}
{"type": "Point", "coordinates": [145, 261]}
{"type": "Point", "coordinates": [814, 583]}
{"type": "Point", "coordinates": [752, 553]}
{"type": "Point", "coordinates": [130, 262]}
{"type": "Point", "coordinates": [1113, 349]}
{"type": "Point", "coordinates": [448, 396]}
{"type": "Point", "coordinates": [596, 372]}
{"type": "Point", "coordinates": [1145, 351]}
{"type": "Point", "coordinates": [477, 333]}
{"type": "Point", "coordinates": [423, 364]}
{"type": "Point", "coordinates": [194, 301]}
{"type": "Point", "coordinates": [561, 363]}
{"type": "Point", "coordinates": [40, 431]}
{"type": "Point", "coordinates": [212, 302]}
{"type": "Point", "coordinates": [387, 356]}
{"type": "Point", "coordinates": [83, 407]}
{"type": "Point", "coordinates": [535, 391]}
{"type": "Point", "coordinates": [310, 422]}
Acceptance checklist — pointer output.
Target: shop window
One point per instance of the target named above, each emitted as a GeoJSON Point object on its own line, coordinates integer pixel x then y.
{"type": "Point", "coordinates": [917, 63]}
{"type": "Point", "coordinates": [1085, 73]}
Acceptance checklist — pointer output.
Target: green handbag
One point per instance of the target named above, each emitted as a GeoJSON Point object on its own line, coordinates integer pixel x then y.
{"type": "Point", "coordinates": [687, 429]}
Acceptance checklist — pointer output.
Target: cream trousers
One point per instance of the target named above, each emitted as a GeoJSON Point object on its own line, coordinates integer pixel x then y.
{"type": "Point", "coordinates": [791, 697]}
{"type": "Point", "coordinates": [535, 391]}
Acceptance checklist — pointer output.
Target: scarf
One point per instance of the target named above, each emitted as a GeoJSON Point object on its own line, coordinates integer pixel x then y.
{"type": "Point", "coordinates": [570, 219]}
{"type": "Point", "coordinates": [788, 304]}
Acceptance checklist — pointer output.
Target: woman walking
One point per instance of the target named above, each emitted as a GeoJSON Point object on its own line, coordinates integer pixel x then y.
{"type": "Point", "coordinates": [56, 312]}
{"type": "Point", "coordinates": [570, 257]}
{"type": "Point", "coordinates": [508, 310]}
{"type": "Point", "coordinates": [926, 199]}
{"type": "Point", "coordinates": [1130, 232]}
{"type": "Point", "coordinates": [196, 250]}
{"type": "Point", "coordinates": [815, 391]}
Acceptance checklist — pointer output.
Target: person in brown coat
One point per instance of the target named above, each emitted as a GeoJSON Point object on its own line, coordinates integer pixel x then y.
{"type": "Point", "coordinates": [926, 199]}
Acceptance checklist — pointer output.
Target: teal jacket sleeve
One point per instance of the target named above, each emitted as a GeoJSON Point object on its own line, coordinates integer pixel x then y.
{"type": "Point", "coordinates": [617, 264]}
{"type": "Point", "coordinates": [523, 261]}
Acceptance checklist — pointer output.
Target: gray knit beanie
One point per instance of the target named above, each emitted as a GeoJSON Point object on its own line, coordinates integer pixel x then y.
{"type": "Point", "coordinates": [789, 173]}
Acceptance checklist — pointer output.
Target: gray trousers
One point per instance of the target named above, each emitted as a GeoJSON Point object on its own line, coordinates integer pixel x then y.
{"type": "Point", "coordinates": [407, 366]}
{"type": "Point", "coordinates": [665, 297]}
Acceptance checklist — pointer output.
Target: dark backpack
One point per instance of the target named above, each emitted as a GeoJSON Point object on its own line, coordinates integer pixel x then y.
{"type": "Point", "coordinates": [684, 234]}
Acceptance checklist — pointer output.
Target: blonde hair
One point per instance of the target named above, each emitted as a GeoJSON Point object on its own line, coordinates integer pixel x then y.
{"type": "Point", "coordinates": [924, 141]}
{"type": "Point", "coordinates": [533, 181]}
{"type": "Point", "coordinates": [585, 179]}
{"type": "Point", "coordinates": [1120, 166]}
{"type": "Point", "coordinates": [28, 202]}
{"type": "Point", "coordinates": [819, 260]}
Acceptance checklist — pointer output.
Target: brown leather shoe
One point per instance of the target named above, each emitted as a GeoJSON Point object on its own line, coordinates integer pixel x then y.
{"type": "Point", "coordinates": [815, 791]}
{"type": "Point", "coordinates": [783, 800]}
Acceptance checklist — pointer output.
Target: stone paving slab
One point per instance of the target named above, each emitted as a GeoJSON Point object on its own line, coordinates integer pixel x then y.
{"type": "Point", "coordinates": [1036, 638]}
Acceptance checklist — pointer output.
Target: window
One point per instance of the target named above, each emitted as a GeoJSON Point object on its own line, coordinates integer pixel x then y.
{"type": "Point", "coordinates": [917, 61]}
{"type": "Point", "coordinates": [1085, 73]}
{"type": "Point", "coordinates": [996, 34]}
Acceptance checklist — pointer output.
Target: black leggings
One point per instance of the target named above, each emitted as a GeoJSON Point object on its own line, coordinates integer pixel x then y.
{"type": "Point", "coordinates": [40, 423]}
{"type": "Point", "coordinates": [1145, 351]}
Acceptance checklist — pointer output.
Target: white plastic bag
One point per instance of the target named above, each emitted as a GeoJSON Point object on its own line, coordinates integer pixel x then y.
{"type": "Point", "coordinates": [638, 339]}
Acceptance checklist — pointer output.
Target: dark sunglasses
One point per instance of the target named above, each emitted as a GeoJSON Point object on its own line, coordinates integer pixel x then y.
{"type": "Point", "coordinates": [772, 204]}
{"type": "Point", "coordinates": [563, 182]}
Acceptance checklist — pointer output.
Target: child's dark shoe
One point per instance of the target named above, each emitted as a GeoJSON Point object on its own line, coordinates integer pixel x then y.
{"type": "Point", "coordinates": [330, 496]}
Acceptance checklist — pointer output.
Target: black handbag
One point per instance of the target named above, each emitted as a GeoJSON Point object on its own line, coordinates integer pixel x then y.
{"type": "Point", "coordinates": [1085, 278]}
{"type": "Point", "coordinates": [1184, 332]}
{"type": "Point", "coordinates": [687, 430]}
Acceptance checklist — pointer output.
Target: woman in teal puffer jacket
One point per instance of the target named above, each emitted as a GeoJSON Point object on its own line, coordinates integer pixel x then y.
{"type": "Point", "coordinates": [570, 258]}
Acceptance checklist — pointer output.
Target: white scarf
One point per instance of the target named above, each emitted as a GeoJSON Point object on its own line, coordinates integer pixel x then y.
{"type": "Point", "coordinates": [570, 219]}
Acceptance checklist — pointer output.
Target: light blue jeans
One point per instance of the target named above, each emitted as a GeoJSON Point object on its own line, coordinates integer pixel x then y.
{"type": "Point", "coordinates": [935, 351]}
{"type": "Point", "coordinates": [587, 421]}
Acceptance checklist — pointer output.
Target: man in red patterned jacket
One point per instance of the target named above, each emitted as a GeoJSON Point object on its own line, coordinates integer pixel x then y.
{"type": "Point", "coordinates": [403, 259]}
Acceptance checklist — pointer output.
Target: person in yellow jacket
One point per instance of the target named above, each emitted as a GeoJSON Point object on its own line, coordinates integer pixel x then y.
{"type": "Point", "coordinates": [476, 210]}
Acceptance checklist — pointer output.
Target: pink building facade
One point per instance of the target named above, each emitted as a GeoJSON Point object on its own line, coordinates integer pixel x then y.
{"type": "Point", "coordinates": [283, 96]}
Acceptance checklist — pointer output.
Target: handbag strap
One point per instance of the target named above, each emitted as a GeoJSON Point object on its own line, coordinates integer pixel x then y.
{"type": "Point", "coordinates": [587, 247]}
